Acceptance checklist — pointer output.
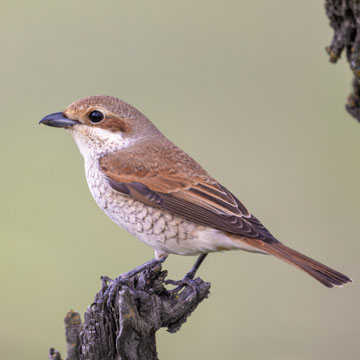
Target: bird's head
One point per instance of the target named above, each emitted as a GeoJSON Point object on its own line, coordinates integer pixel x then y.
{"type": "Point", "coordinates": [100, 124]}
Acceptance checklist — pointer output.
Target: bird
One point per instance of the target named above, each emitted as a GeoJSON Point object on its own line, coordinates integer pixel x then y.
{"type": "Point", "coordinates": [162, 196]}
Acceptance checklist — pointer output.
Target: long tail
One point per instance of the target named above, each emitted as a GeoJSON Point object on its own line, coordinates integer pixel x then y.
{"type": "Point", "coordinates": [320, 272]}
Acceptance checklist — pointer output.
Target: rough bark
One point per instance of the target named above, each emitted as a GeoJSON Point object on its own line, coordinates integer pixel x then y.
{"type": "Point", "coordinates": [344, 16]}
{"type": "Point", "coordinates": [127, 329]}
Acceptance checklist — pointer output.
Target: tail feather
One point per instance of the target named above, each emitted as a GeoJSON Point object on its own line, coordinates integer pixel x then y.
{"type": "Point", "coordinates": [320, 272]}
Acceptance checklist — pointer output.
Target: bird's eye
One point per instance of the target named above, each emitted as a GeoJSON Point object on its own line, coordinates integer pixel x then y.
{"type": "Point", "coordinates": [96, 116]}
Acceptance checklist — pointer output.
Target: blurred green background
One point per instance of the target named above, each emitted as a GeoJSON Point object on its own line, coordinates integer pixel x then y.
{"type": "Point", "coordinates": [246, 88]}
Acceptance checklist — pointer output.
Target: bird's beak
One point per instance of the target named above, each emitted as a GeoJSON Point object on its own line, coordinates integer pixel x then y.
{"type": "Point", "coordinates": [58, 120]}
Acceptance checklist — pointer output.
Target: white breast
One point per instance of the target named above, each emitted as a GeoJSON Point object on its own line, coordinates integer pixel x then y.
{"type": "Point", "coordinates": [164, 232]}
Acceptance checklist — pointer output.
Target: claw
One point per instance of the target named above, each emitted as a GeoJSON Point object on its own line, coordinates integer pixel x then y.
{"type": "Point", "coordinates": [188, 278]}
{"type": "Point", "coordinates": [111, 287]}
{"type": "Point", "coordinates": [104, 283]}
{"type": "Point", "coordinates": [180, 284]}
{"type": "Point", "coordinates": [114, 288]}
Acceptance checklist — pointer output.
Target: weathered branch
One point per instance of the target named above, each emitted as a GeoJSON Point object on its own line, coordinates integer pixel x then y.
{"type": "Point", "coordinates": [344, 16]}
{"type": "Point", "coordinates": [127, 329]}
{"type": "Point", "coordinates": [73, 328]}
{"type": "Point", "coordinates": [54, 354]}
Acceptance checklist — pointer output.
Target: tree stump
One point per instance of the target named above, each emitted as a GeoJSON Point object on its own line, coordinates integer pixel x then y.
{"type": "Point", "coordinates": [127, 329]}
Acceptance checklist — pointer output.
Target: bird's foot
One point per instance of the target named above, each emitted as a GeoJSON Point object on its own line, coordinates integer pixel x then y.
{"type": "Point", "coordinates": [110, 288]}
{"type": "Point", "coordinates": [188, 280]}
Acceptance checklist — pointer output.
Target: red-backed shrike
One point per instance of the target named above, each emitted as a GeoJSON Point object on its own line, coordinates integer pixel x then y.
{"type": "Point", "coordinates": [159, 194]}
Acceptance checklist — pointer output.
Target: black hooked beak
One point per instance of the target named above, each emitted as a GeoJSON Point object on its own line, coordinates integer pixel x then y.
{"type": "Point", "coordinates": [58, 120]}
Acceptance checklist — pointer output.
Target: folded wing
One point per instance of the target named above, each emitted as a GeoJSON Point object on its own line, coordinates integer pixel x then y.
{"type": "Point", "coordinates": [179, 185]}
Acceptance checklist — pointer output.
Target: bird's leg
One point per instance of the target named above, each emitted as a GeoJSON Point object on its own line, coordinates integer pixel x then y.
{"type": "Point", "coordinates": [189, 276]}
{"type": "Point", "coordinates": [123, 279]}
{"type": "Point", "coordinates": [148, 265]}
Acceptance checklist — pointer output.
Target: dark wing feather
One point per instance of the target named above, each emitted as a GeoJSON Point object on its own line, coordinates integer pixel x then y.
{"type": "Point", "coordinates": [194, 196]}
